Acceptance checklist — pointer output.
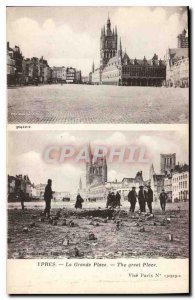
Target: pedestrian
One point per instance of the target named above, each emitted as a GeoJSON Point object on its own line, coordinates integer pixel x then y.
{"type": "Point", "coordinates": [48, 195]}
{"type": "Point", "coordinates": [142, 199]}
{"type": "Point", "coordinates": [109, 200]}
{"type": "Point", "coordinates": [22, 197]}
{"type": "Point", "coordinates": [132, 198]}
{"type": "Point", "coordinates": [149, 198]}
{"type": "Point", "coordinates": [163, 199]}
{"type": "Point", "coordinates": [79, 201]}
{"type": "Point", "coordinates": [113, 200]}
{"type": "Point", "coordinates": [118, 199]}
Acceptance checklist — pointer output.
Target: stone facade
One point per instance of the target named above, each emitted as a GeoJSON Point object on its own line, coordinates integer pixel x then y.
{"type": "Point", "coordinates": [177, 63]}
{"type": "Point", "coordinates": [182, 39]}
{"type": "Point", "coordinates": [116, 68]}
{"type": "Point", "coordinates": [180, 184]}
{"type": "Point", "coordinates": [157, 184]}
{"type": "Point", "coordinates": [167, 163]}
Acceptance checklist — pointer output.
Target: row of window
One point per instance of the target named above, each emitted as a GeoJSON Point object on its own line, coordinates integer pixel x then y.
{"type": "Point", "coordinates": [143, 71]}
{"type": "Point", "coordinates": [183, 176]}
{"type": "Point", "coordinates": [182, 185]}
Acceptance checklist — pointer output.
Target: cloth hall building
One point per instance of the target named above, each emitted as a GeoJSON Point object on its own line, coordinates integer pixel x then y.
{"type": "Point", "coordinates": [117, 68]}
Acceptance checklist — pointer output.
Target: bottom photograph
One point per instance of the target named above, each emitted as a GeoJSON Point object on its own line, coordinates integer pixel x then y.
{"type": "Point", "coordinates": [98, 194]}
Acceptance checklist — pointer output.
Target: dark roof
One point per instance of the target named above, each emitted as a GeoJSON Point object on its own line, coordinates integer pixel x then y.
{"type": "Point", "coordinates": [11, 177]}
{"type": "Point", "coordinates": [158, 177]}
{"type": "Point", "coordinates": [181, 168]}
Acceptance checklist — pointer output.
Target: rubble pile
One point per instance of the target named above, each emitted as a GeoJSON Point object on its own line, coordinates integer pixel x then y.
{"type": "Point", "coordinates": [96, 233]}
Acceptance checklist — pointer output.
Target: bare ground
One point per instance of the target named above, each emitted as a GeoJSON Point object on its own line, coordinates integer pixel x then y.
{"type": "Point", "coordinates": [116, 233]}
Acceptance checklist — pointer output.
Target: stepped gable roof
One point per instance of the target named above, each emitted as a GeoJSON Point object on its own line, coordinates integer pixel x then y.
{"type": "Point", "coordinates": [134, 61]}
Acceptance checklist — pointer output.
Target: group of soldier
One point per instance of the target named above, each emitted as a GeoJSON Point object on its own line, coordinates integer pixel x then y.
{"type": "Point", "coordinates": [144, 196]}
{"type": "Point", "coordinates": [113, 200]}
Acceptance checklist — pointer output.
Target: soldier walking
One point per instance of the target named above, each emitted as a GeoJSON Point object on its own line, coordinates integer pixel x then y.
{"type": "Point", "coordinates": [132, 198]}
{"type": "Point", "coordinates": [48, 195]}
{"type": "Point", "coordinates": [118, 199]}
{"type": "Point", "coordinates": [163, 199]}
{"type": "Point", "coordinates": [149, 198]}
{"type": "Point", "coordinates": [141, 199]}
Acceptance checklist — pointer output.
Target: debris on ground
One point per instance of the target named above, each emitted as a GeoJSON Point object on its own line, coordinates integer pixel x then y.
{"type": "Point", "coordinates": [92, 237]}
{"type": "Point", "coordinates": [116, 233]}
{"type": "Point", "coordinates": [25, 230]}
{"type": "Point", "coordinates": [142, 229]}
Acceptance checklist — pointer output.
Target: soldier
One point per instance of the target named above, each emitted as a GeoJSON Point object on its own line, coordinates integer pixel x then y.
{"type": "Point", "coordinates": [113, 199]}
{"type": "Point", "coordinates": [163, 199]}
{"type": "Point", "coordinates": [109, 200]}
{"type": "Point", "coordinates": [141, 199]}
{"type": "Point", "coordinates": [118, 199]}
{"type": "Point", "coordinates": [132, 198]}
{"type": "Point", "coordinates": [48, 195]}
{"type": "Point", "coordinates": [22, 198]}
{"type": "Point", "coordinates": [79, 201]}
{"type": "Point", "coordinates": [149, 198]}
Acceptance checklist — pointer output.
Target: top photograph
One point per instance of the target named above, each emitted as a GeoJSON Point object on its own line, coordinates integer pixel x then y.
{"type": "Point", "coordinates": [97, 65]}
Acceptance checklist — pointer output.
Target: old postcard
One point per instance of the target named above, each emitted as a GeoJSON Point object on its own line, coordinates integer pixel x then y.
{"type": "Point", "coordinates": [98, 179]}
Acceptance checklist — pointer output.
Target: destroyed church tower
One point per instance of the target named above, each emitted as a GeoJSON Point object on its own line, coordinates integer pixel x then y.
{"type": "Point", "coordinates": [96, 170]}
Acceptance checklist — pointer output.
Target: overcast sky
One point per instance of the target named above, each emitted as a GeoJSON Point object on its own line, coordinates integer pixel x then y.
{"type": "Point", "coordinates": [26, 154]}
{"type": "Point", "coordinates": [70, 36]}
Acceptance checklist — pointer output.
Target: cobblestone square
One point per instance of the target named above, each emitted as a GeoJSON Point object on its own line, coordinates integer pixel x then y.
{"type": "Point", "coordinates": [61, 104]}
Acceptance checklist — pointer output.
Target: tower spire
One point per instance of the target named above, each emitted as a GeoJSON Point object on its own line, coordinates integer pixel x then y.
{"type": "Point", "coordinates": [109, 32]}
{"type": "Point", "coordinates": [115, 30]}
{"type": "Point", "coordinates": [93, 67]}
{"type": "Point", "coordinates": [120, 48]}
{"type": "Point", "coordinates": [90, 154]}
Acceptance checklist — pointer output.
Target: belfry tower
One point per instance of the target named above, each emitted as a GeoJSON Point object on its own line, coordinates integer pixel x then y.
{"type": "Point", "coordinates": [108, 44]}
{"type": "Point", "coordinates": [96, 170]}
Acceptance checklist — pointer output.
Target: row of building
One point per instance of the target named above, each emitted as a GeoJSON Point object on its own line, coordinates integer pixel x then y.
{"type": "Point", "coordinates": [32, 192]}
{"type": "Point", "coordinates": [24, 71]}
{"type": "Point", "coordinates": [117, 68]}
{"type": "Point", "coordinates": [174, 178]}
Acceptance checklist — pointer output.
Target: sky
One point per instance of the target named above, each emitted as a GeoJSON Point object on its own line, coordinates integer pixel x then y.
{"type": "Point", "coordinates": [26, 151]}
{"type": "Point", "coordinates": [70, 36]}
